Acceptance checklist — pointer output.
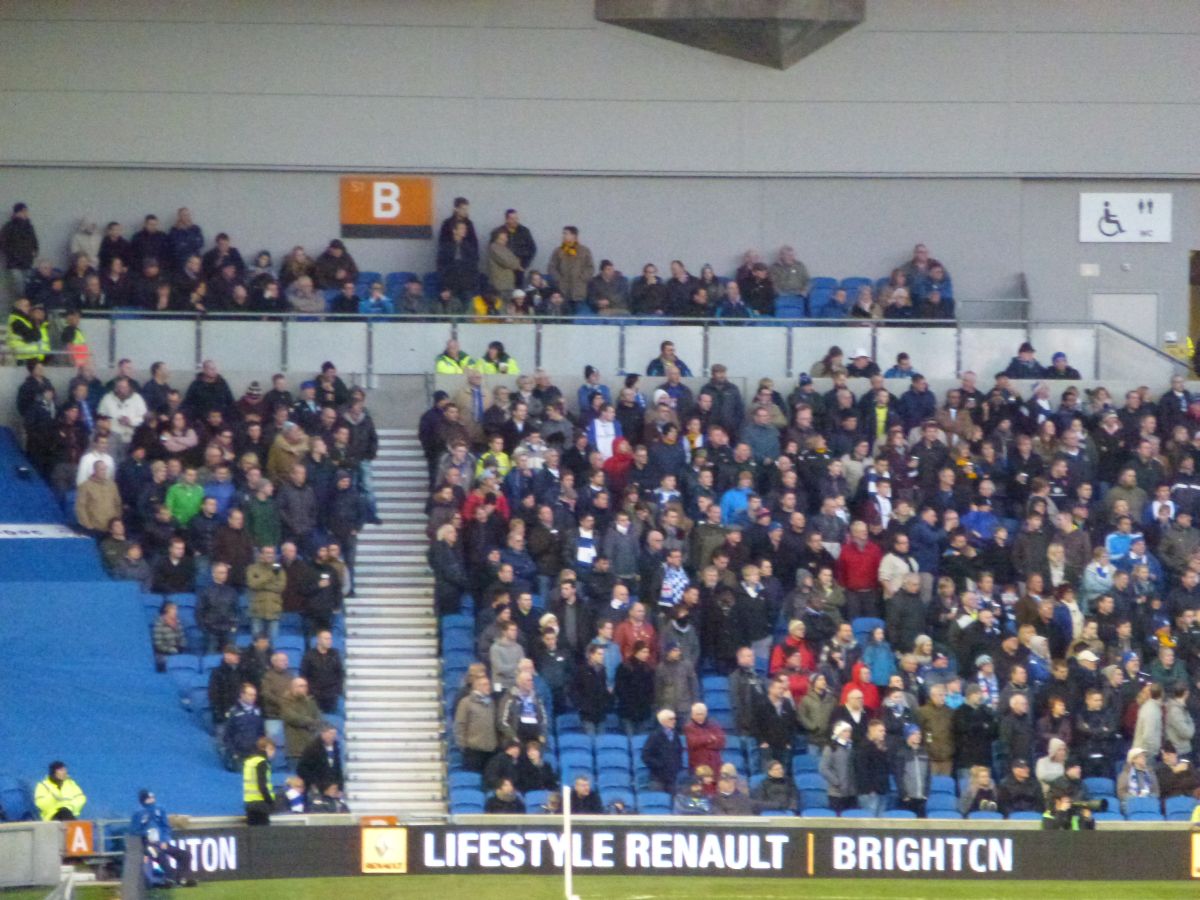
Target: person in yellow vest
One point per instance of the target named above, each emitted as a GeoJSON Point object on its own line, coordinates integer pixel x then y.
{"type": "Point", "coordinates": [497, 362]}
{"type": "Point", "coordinates": [74, 341]}
{"type": "Point", "coordinates": [57, 797]}
{"type": "Point", "coordinates": [257, 793]}
{"type": "Point", "coordinates": [452, 361]}
{"type": "Point", "coordinates": [43, 332]}
{"type": "Point", "coordinates": [23, 334]}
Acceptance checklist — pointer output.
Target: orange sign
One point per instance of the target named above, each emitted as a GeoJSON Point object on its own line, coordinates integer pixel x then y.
{"type": "Point", "coordinates": [378, 821]}
{"type": "Point", "coordinates": [78, 840]}
{"type": "Point", "coordinates": [386, 206]}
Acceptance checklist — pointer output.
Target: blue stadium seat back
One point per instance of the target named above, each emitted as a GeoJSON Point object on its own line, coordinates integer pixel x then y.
{"type": "Point", "coordinates": [465, 780]}
{"type": "Point", "coordinates": [943, 814]}
{"type": "Point", "coordinates": [805, 762]}
{"type": "Point", "coordinates": [624, 795]}
{"type": "Point", "coordinates": [16, 804]}
{"type": "Point", "coordinates": [465, 808]}
{"type": "Point", "coordinates": [393, 283]}
{"type": "Point", "coordinates": [466, 795]}
{"type": "Point", "coordinates": [811, 798]}
{"type": "Point", "coordinates": [607, 742]}
{"type": "Point", "coordinates": [1180, 804]}
{"type": "Point", "coordinates": [457, 660]}
{"type": "Point", "coordinates": [210, 661]}
{"type": "Point", "coordinates": [1179, 816]}
{"type": "Point", "coordinates": [881, 285]}
{"type": "Point", "coordinates": [616, 760]}
{"type": "Point", "coordinates": [899, 814]}
{"type": "Point", "coordinates": [183, 662]}
{"type": "Point", "coordinates": [182, 600]}
{"type": "Point", "coordinates": [777, 813]}
{"type": "Point", "coordinates": [756, 780]}
{"type": "Point", "coordinates": [985, 814]}
{"type": "Point", "coordinates": [457, 642]}
{"type": "Point", "coordinates": [1144, 817]}
{"type": "Point", "coordinates": [864, 625]}
{"type": "Point", "coordinates": [653, 801]}
{"type": "Point", "coordinates": [294, 656]}
{"type": "Point", "coordinates": [571, 741]}
{"type": "Point", "coordinates": [857, 814]}
{"type": "Point", "coordinates": [290, 642]}
{"type": "Point", "coordinates": [1142, 805]}
{"type": "Point", "coordinates": [636, 743]}
{"type": "Point", "coordinates": [575, 760]}
{"type": "Point", "coordinates": [610, 779]}
{"type": "Point", "coordinates": [810, 781]}
{"type": "Point", "coordinates": [852, 284]}
{"type": "Point", "coordinates": [723, 717]}
{"type": "Point", "coordinates": [941, 801]}
{"type": "Point", "coordinates": [1098, 785]}
{"type": "Point", "coordinates": [943, 784]}
{"type": "Point", "coordinates": [1025, 816]}
{"type": "Point", "coordinates": [1109, 816]}
{"type": "Point", "coordinates": [1113, 802]}
{"type": "Point", "coordinates": [367, 278]}
{"type": "Point", "coordinates": [535, 799]}
{"type": "Point", "coordinates": [818, 301]}
{"type": "Point", "coordinates": [432, 284]}
{"type": "Point", "coordinates": [833, 311]}
{"type": "Point", "coordinates": [817, 812]}
{"type": "Point", "coordinates": [457, 620]}
{"type": "Point", "coordinates": [713, 682]}
{"type": "Point", "coordinates": [820, 283]}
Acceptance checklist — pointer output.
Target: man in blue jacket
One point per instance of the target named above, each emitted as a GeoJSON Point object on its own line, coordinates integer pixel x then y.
{"type": "Point", "coordinates": [151, 823]}
{"type": "Point", "coordinates": [663, 753]}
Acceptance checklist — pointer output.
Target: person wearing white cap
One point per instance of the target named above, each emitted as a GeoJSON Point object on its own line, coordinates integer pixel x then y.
{"type": "Point", "coordinates": [861, 365]}
{"type": "Point", "coordinates": [837, 769]}
{"type": "Point", "coordinates": [1137, 779]}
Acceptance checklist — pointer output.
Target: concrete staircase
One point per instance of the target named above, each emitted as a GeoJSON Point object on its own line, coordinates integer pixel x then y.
{"type": "Point", "coordinates": [393, 711]}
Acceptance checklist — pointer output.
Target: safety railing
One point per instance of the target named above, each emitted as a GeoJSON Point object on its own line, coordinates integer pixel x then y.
{"type": "Point", "coordinates": [779, 348]}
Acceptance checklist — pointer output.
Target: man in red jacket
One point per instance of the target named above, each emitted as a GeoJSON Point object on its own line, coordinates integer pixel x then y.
{"type": "Point", "coordinates": [858, 572]}
{"type": "Point", "coordinates": [705, 739]}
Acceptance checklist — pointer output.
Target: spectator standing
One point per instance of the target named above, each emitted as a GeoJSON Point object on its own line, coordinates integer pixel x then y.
{"type": "Point", "coordinates": [322, 666]}
{"type": "Point", "coordinates": [571, 266]}
{"type": "Point", "coordinates": [910, 768]}
{"type": "Point", "coordinates": [705, 739]}
{"type": "Point", "coordinates": [520, 242]}
{"type": "Point", "coordinates": [475, 725]}
{"type": "Point", "coordinates": [663, 753]}
{"type": "Point", "coordinates": [185, 239]}
{"type": "Point", "coordinates": [837, 769]}
{"type": "Point", "coordinates": [19, 244]}
{"type": "Point", "coordinates": [788, 274]}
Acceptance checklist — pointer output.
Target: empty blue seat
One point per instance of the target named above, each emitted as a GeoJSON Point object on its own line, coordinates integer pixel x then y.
{"type": "Point", "coordinates": [1099, 785]}
{"type": "Point", "coordinates": [805, 762]}
{"type": "Point", "coordinates": [636, 743]}
{"type": "Point", "coordinates": [653, 801]}
{"type": "Point", "coordinates": [1136, 805]}
{"type": "Point", "coordinates": [394, 282]}
{"type": "Point", "coordinates": [571, 741]}
{"type": "Point", "coordinates": [984, 814]}
{"type": "Point", "coordinates": [1025, 816]}
{"type": "Point", "coordinates": [607, 742]}
{"type": "Point", "coordinates": [858, 814]}
{"type": "Point", "coordinates": [1144, 817]}
{"type": "Point", "coordinates": [941, 801]}
{"type": "Point", "coordinates": [573, 763]}
{"type": "Point", "coordinates": [943, 784]}
{"type": "Point", "coordinates": [16, 801]}
{"type": "Point", "coordinates": [810, 781]}
{"type": "Point", "coordinates": [183, 662]}
{"type": "Point", "coordinates": [465, 808]}
{"type": "Point", "coordinates": [1180, 805]}
{"type": "Point", "coordinates": [210, 661]}
{"type": "Point", "coordinates": [432, 284]}
{"type": "Point", "coordinates": [468, 780]}
{"type": "Point", "coordinates": [1109, 816]}
{"type": "Point", "coordinates": [614, 779]}
{"type": "Point", "coordinates": [942, 814]}
{"type": "Point", "coordinates": [820, 282]}
{"type": "Point", "coordinates": [570, 723]}
{"type": "Point", "coordinates": [899, 814]}
{"type": "Point", "coordinates": [466, 795]}
{"type": "Point", "coordinates": [623, 795]}
{"type": "Point", "coordinates": [817, 812]}
{"type": "Point", "coordinates": [852, 284]}
{"type": "Point", "coordinates": [290, 642]}
{"type": "Point", "coordinates": [367, 278]}
{"type": "Point", "coordinates": [724, 718]}
{"type": "Point", "coordinates": [617, 760]}
{"type": "Point", "coordinates": [534, 800]}
{"type": "Point", "coordinates": [814, 798]}
{"type": "Point", "coordinates": [183, 599]}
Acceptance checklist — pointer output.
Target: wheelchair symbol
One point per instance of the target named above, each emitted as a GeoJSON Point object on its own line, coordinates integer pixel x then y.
{"type": "Point", "coordinates": [1109, 225]}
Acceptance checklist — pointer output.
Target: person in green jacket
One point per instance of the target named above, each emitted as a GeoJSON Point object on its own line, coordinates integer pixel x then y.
{"type": "Point", "coordinates": [262, 517]}
{"type": "Point", "coordinates": [184, 498]}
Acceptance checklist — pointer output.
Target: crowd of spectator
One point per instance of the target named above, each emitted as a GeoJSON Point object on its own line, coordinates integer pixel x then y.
{"type": "Point", "coordinates": [174, 270]}
{"type": "Point", "coordinates": [885, 593]}
{"type": "Point", "coordinates": [249, 508]}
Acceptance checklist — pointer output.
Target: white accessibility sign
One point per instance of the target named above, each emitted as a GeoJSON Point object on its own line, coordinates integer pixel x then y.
{"type": "Point", "coordinates": [1125, 218]}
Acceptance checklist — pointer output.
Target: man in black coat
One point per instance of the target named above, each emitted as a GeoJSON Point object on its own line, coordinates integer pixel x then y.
{"type": "Point", "coordinates": [775, 724]}
{"type": "Point", "coordinates": [320, 764]}
{"type": "Point", "coordinates": [974, 731]}
{"type": "Point", "coordinates": [589, 690]}
{"type": "Point", "coordinates": [322, 666]}
{"type": "Point", "coordinates": [906, 614]}
{"type": "Point", "coordinates": [1020, 792]}
{"type": "Point", "coordinates": [520, 242]}
{"type": "Point", "coordinates": [663, 753]}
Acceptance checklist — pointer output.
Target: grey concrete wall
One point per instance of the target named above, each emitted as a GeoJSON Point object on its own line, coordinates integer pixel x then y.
{"type": "Point", "coordinates": [1096, 87]}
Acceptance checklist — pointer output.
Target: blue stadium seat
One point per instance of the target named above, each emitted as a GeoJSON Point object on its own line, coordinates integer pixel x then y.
{"type": "Point", "coordinates": [814, 798]}
{"type": "Point", "coordinates": [16, 802]}
{"type": "Point", "coordinates": [941, 802]}
{"type": "Point", "coordinates": [756, 780]}
{"type": "Point", "coordinates": [821, 282]}
{"type": "Point", "coordinates": [943, 784]}
{"type": "Point", "coordinates": [805, 762]}
{"type": "Point", "coordinates": [636, 743]}
{"type": "Point", "coordinates": [858, 814]}
{"type": "Point", "coordinates": [607, 742]}
{"type": "Point", "coordinates": [942, 814]}
{"type": "Point", "coordinates": [1176, 805]}
{"type": "Point", "coordinates": [535, 799]}
{"type": "Point", "coordinates": [469, 780]}
{"type": "Point", "coordinates": [182, 600]}
{"type": "Point", "coordinates": [210, 661]}
{"type": "Point", "coordinates": [653, 802]}
{"type": "Point", "coordinates": [624, 795]}
{"type": "Point", "coordinates": [570, 723]}
{"type": "Point", "coordinates": [852, 284]}
{"type": "Point", "coordinates": [615, 760]}
{"type": "Point", "coordinates": [432, 283]}
{"type": "Point", "coordinates": [466, 795]}
{"type": "Point", "coordinates": [724, 718]}
{"type": "Point", "coordinates": [819, 301]}
{"type": "Point", "coordinates": [1137, 805]}
{"type": "Point", "coordinates": [581, 742]}
{"type": "Point", "coordinates": [574, 762]}
{"type": "Point", "coordinates": [810, 781]}
{"type": "Point", "coordinates": [984, 814]}
{"type": "Point", "coordinates": [817, 812]}
{"type": "Point", "coordinates": [1098, 785]}
{"type": "Point", "coordinates": [1109, 816]}
{"type": "Point", "coordinates": [465, 808]}
{"type": "Point", "coordinates": [899, 814]}
{"type": "Point", "coordinates": [1025, 816]}
{"type": "Point", "coordinates": [290, 642]}
{"type": "Point", "coordinates": [779, 813]}
{"type": "Point", "coordinates": [614, 779]}
{"type": "Point", "coordinates": [183, 662]}
{"type": "Point", "coordinates": [393, 283]}
{"type": "Point", "coordinates": [1144, 817]}
{"type": "Point", "coordinates": [713, 682]}
{"type": "Point", "coordinates": [791, 306]}
{"type": "Point", "coordinates": [365, 279]}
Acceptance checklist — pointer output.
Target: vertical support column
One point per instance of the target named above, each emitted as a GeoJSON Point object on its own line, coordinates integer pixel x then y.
{"type": "Point", "coordinates": [198, 342]}
{"type": "Point", "coordinates": [704, 360]}
{"type": "Point", "coordinates": [112, 342]}
{"type": "Point", "coordinates": [958, 361]}
{"type": "Point", "coordinates": [283, 349]}
{"type": "Point", "coordinates": [789, 361]}
{"type": "Point", "coordinates": [621, 350]}
{"type": "Point", "coordinates": [537, 346]}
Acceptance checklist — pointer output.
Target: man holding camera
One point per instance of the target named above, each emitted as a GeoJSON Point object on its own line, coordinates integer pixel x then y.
{"type": "Point", "coordinates": [1065, 814]}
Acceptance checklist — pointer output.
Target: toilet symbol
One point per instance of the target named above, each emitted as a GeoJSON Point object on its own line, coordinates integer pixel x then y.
{"type": "Point", "coordinates": [1109, 225]}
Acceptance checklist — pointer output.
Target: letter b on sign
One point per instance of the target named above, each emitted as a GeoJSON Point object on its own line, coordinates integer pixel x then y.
{"type": "Point", "coordinates": [386, 206]}
{"type": "Point", "coordinates": [386, 200]}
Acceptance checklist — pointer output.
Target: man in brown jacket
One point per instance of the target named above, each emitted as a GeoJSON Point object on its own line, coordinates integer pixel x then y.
{"type": "Point", "coordinates": [937, 724]}
{"type": "Point", "coordinates": [97, 501]}
{"type": "Point", "coordinates": [571, 266]}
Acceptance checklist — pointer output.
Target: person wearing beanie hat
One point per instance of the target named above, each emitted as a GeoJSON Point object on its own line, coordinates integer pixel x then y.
{"type": "Point", "coordinates": [1025, 364]}
{"type": "Point", "coordinates": [910, 768]}
{"type": "Point", "coordinates": [591, 385]}
{"type": "Point", "coordinates": [335, 266]}
{"type": "Point", "coordinates": [151, 823]}
{"type": "Point", "coordinates": [19, 247]}
{"type": "Point", "coordinates": [1137, 779]}
{"type": "Point", "coordinates": [57, 797]}
{"type": "Point", "coordinates": [1060, 370]}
